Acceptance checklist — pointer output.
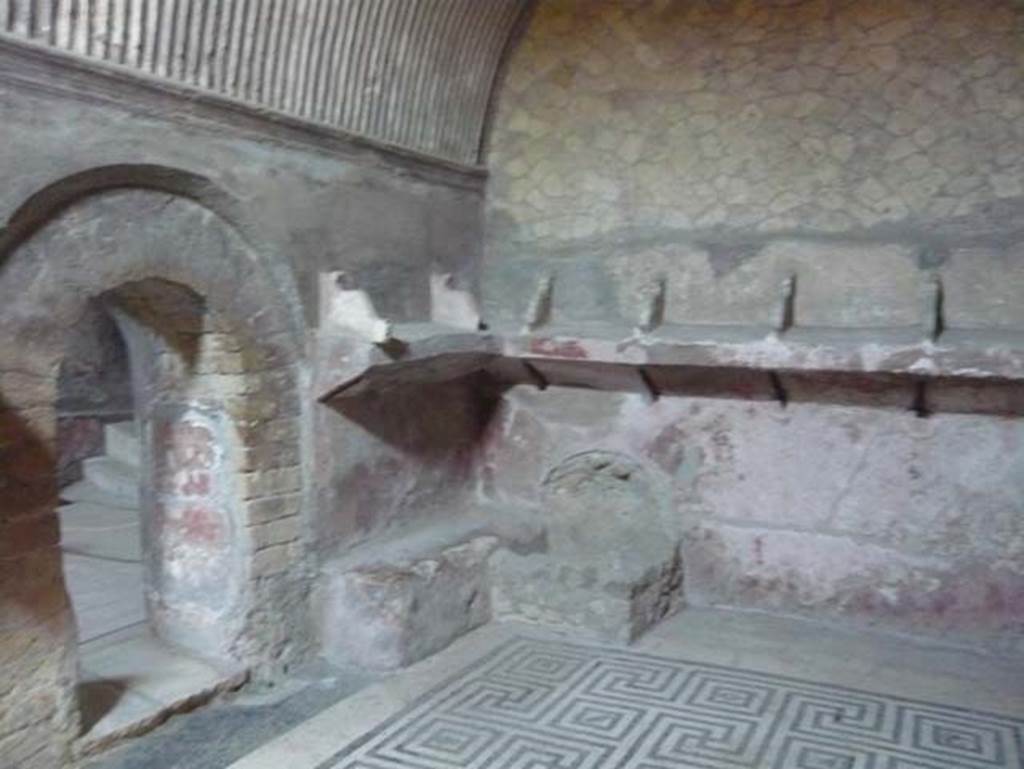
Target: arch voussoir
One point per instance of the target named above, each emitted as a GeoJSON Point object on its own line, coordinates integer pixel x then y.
{"type": "Point", "coordinates": [226, 363]}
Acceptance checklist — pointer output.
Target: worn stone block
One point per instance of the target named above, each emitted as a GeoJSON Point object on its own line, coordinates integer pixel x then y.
{"type": "Point", "coordinates": [274, 481]}
{"type": "Point", "coordinates": [388, 615]}
{"type": "Point", "coordinates": [270, 455]}
{"type": "Point", "coordinates": [546, 590]}
{"type": "Point", "coordinates": [271, 508]}
{"type": "Point", "coordinates": [274, 559]}
{"type": "Point", "coordinates": [277, 532]}
{"type": "Point", "coordinates": [610, 563]}
{"type": "Point", "coordinates": [252, 406]}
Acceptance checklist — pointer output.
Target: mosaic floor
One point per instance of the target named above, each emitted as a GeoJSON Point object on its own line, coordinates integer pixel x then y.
{"type": "Point", "coordinates": [550, 705]}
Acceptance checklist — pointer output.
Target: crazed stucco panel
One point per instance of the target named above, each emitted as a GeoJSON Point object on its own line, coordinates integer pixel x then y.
{"type": "Point", "coordinates": [824, 114]}
{"type": "Point", "coordinates": [703, 138]}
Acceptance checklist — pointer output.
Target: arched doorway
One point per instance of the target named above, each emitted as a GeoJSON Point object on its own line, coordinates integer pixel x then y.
{"type": "Point", "coordinates": [214, 353]}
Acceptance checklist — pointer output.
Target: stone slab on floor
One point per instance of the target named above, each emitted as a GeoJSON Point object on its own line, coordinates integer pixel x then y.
{"type": "Point", "coordinates": [512, 696]}
{"type": "Point", "coordinates": [130, 681]}
{"type": "Point", "coordinates": [213, 737]}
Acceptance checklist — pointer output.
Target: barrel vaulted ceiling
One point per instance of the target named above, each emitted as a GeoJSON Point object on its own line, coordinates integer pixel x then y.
{"type": "Point", "coordinates": [415, 73]}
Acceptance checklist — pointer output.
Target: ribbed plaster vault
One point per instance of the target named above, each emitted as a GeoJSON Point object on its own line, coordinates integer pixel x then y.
{"type": "Point", "coordinates": [415, 73]}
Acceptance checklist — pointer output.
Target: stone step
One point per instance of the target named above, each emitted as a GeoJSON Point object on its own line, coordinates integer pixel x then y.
{"type": "Point", "coordinates": [130, 682]}
{"type": "Point", "coordinates": [87, 491]}
{"type": "Point", "coordinates": [94, 516]}
{"type": "Point", "coordinates": [122, 442]}
{"type": "Point", "coordinates": [121, 480]}
{"type": "Point", "coordinates": [101, 531]}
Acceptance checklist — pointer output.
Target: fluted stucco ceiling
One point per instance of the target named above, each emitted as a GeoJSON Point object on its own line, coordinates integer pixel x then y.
{"type": "Point", "coordinates": [416, 73]}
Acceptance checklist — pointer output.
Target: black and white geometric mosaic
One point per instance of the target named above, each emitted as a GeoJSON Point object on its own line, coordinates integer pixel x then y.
{"type": "Point", "coordinates": [548, 705]}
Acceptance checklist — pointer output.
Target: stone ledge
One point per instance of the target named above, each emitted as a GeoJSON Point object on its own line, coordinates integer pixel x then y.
{"type": "Point", "coordinates": [617, 358]}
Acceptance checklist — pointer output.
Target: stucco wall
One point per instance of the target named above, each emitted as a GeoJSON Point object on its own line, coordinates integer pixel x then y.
{"type": "Point", "coordinates": [843, 512]}
{"type": "Point", "coordinates": [386, 219]}
{"type": "Point", "coordinates": [108, 182]}
{"type": "Point", "coordinates": [725, 144]}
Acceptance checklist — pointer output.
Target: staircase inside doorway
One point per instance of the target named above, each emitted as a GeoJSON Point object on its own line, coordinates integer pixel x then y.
{"type": "Point", "coordinates": [101, 539]}
{"type": "Point", "coordinates": [129, 680]}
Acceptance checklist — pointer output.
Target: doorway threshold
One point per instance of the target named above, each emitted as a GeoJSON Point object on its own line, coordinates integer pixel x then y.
{"type": "Point", "coordinates": [131, 682]}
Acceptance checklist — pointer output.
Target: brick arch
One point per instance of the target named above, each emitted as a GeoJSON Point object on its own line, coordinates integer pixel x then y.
{"type": "Point", "coordinates": [118, 244]}
{"type": "Point", "coordinates": [47, 204]}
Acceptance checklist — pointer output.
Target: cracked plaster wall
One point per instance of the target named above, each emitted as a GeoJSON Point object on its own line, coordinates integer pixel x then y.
{"type": "Point", "coordinates": [725, 145]}
{"type": "Point", "coordinates": [860, 514]}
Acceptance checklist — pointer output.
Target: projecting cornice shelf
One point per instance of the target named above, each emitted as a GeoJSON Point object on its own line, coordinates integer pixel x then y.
{"type": "Point", "coordinates": [611, 358]}
{"type": "Point", "coordinates": [348, 366]}
{"type": "Point", "coordinates": [358, 351]}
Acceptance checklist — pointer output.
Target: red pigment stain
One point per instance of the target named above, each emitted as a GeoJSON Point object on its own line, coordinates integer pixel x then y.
{"type": "Point", "coordinates": [200, 525]}
{"type": "Point", "coordinates": [196, 485]}
{"type": "Point", "coordinates": [961, 604]}
{"type": "Point", "coordinates": [668, 448]}
{"type": "Point", "coordinates": [568, 348]}
{"type": "Point", "coordinates": [188, 446]}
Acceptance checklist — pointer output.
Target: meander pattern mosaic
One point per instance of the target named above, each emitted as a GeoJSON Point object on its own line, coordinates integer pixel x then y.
{"type": "Point", "coordinates": [549, 705]}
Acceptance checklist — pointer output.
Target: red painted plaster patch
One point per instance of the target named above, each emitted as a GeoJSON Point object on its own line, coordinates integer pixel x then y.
{"type": "Point", "coordinates": [559, 348]}
{"type": "Point", "coordinates": [187, 446]}
{"type": "Point", "coordinates": [201, 526]}
{"type": "Point", "coordinates": [195, 484]}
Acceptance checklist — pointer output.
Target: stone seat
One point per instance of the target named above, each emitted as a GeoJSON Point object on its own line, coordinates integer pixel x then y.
{"type": "Point", "coordinates": [608, 563]}
{"type": "Point", "coordinates": [392, 602]}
